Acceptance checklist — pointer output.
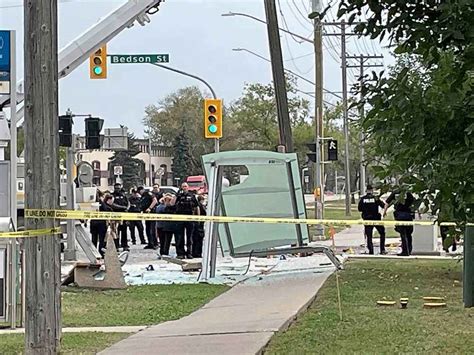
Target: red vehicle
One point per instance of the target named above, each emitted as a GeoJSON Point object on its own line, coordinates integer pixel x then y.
{"type": "Point", "coordinates": [197, 183]}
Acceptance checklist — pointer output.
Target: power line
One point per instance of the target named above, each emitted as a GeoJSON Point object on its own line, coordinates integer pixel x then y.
{"type": "Point", "coordinates": [304, 25]}
{"type": "Point", "coordinates": [285, 24]}
{"type": "Point", "coordinates": [301, 56]}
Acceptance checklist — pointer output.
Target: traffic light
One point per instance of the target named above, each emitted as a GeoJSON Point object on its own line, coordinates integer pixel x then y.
{"type": "Point", "coordinates": [65, 131]}
{"type": "Point", "coordinates": [213, 118]}
{"type": "Point", "coordinates": [98, 64]}
{"type": "Point", "coordinates": [332, 150]}
{"type": "Point", "coordinates": [312, 154]}
{"type": "Point", "coordinates": [93, 128]}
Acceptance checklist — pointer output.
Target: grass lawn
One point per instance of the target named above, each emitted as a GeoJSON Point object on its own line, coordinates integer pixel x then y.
{"type": "Point", "coordinates": [331, 213]}
{"type": "Point", "coordinates": [338, 212]}
{"type": "Point", "coordinates": [370, 329]}
{"type": "Point", "coordinates": [137, 305]}
{"type": "Point", "coordinates": [71, 343]}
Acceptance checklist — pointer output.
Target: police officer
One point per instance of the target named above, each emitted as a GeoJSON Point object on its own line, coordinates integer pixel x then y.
{"type": "Point", "coordinates": [148, 204]}
{"type": "Point", "coordinates": [403, 212]}
{"type": "Point", "coordinates": [198, 233]}
{"type": "Point", "coordinates": [369, 206]}
{"type": "Point", "coordinates": [121, 204]}
{"type": "Point", "coordinates": [186, 204]}
{"type": "Point", "coordinates": [135, 207]}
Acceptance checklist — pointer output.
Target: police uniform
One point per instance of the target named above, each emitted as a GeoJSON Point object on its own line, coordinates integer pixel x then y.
{"type": "Point", "coordinates": [135, 207]}
{"type": "Point", "coordinates": [369, 206]}
{"type": "Point", "coordinates": [403, 212]}
{"type": "Point", "coordinates": [150, 226]}
{"type": "Point", "coordinates": [121, 205]}
{"type": "Point", "coordinates": [185, 204]}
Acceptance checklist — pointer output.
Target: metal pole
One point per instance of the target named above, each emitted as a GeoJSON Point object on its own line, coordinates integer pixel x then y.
{"type": "Point", "coordinates": [361, 134]}
{"type": "Point", "coordinates": [346, 119]}
{"type": "Point", "coordinates": [468, 269]}
{"type": "Point", "coordinates": [187, 74]}
{"type": "Point", "coordinates": [13, 179]}
{"type": "Point", "coordinates": [294, 203]}
{"type": "Point", "coordinates": [70, 252]}
{"type": "Point", "coordinates": [216, 141]}
{"type": "Point", "coordinates": [149, 162]}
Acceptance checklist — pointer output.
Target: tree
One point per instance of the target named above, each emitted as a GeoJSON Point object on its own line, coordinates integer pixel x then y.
{"type": "Point", "coordinates": [165, 120]}
{"type": "Point", "coordinates": [182, 159]}
{"type": "Point", "coordinates": [253, 117]}
{"type": "Point", "coordinates": [421, 120]}
{"type": "Point", "coordinates": [133, 168]}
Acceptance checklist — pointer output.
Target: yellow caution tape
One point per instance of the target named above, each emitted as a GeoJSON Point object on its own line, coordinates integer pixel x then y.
{"type": "Point", "coordinates": [128, 216]}
{"type": "Point", "coordinates": [30, 233]}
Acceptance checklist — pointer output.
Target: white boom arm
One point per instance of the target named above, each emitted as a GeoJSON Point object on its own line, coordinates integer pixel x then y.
{"type": "Point", "coordinates": [76, 52]}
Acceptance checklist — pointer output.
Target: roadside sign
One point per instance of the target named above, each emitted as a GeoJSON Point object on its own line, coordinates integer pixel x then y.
{"type": "Point", "coordinates": [332, 150]}
{"type": "Point", "coordinates": [139, 58]}
{"type": "Point", "coordinates": [5, 64]}
{"type": "Point", "coordinates": [118, 170]}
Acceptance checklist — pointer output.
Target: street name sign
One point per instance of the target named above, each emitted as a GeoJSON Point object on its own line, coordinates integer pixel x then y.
{"type": "Point", "coordinates": [139, 58]}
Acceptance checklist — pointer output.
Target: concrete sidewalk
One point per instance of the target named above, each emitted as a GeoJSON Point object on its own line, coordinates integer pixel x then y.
{"type": "Point", "coordinates": [240, 321]}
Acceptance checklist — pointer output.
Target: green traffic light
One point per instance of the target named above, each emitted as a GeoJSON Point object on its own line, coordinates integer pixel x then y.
{"type": "Point", "coordinates": [212, 128]}
{"type": "Point", "coordinates": [97, 70]}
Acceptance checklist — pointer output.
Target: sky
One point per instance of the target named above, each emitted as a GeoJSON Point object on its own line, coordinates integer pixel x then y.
{"type": "Point", "coordinates": [199, 41]}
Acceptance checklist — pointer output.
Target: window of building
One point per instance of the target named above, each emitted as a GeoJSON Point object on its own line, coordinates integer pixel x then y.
{"type": "Point", "coordinates": [96, 165]}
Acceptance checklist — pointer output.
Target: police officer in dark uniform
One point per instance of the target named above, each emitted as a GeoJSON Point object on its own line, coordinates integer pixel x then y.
{"type": "Point", "coordinates": [135, 207]}
{"type": "Point", "coordinates": [186, 204]}
{"type": "Point", "coordinates": [369, 206]}
{"type": "Point", "coordinates": [121, 205]}
{"type": "Point", "coordinates": [198, 232]}
{"type": "Point", "coordinates": [148, 204]}
{"type": "Point", "coordinates": [403, 212]}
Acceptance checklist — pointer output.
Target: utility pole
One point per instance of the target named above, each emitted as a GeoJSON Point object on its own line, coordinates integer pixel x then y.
{"type": "Point", "coordinates": [318, 107]}
{"type": "Point", "coordinates": [42, 254]}
{"type": "Point", "coordinates": [347, 171]}
{"type": "Point", "coordinates": [362, 64]}
{"type": "Point", "coordinates": [278, 76]}
{"type": "Point", "coordinates": [347, 175]}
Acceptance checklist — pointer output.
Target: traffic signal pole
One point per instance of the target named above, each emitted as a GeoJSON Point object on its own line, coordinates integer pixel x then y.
{"type": "Point", "coordinates": [70, 251]}
{"type": "Point", "coordinates": [216, 141]}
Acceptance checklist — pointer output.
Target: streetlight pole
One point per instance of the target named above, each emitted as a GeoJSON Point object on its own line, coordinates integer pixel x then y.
{"type": "Point", "coordinates": [216, 141]}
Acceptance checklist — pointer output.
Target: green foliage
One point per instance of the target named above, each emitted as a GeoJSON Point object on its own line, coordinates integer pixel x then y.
{"type": "Point", "coordinates": [254, 121]}
{"type": "Point", "coordinates": [421, 120]}
{"type": "Point", "coordinates": [133, 168]}
{"type": "Point", "coordinates": [165, 120]}
{"type": "Point", "coordinates": [182, 159]}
